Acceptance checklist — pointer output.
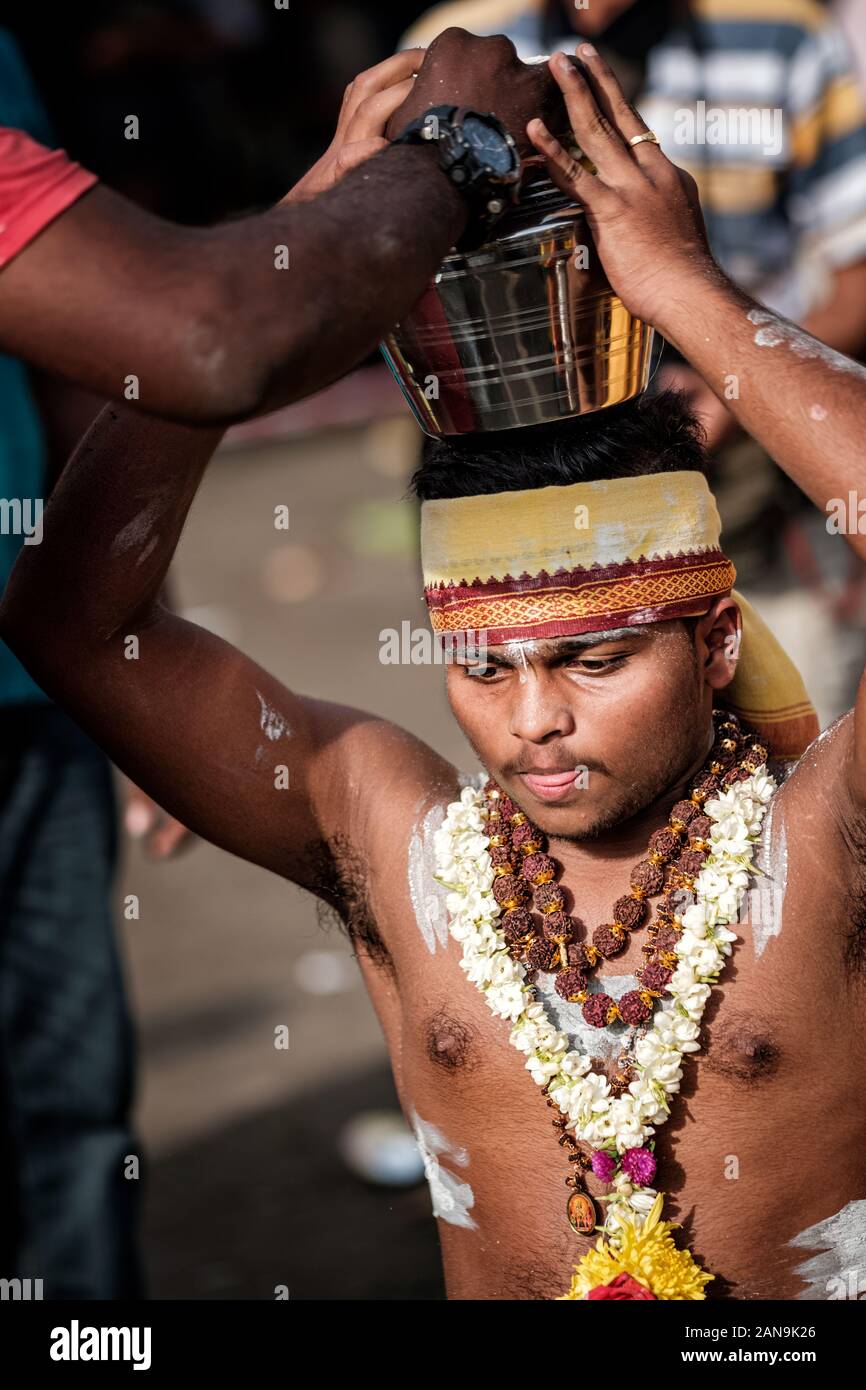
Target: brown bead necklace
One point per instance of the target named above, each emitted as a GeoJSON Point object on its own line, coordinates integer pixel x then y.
{"type": "Point", "coordinates": [525, 871]}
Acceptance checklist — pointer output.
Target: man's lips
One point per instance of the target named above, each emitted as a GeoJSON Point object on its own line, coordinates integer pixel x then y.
{"type": "Point", "coordinates": [550, 786]}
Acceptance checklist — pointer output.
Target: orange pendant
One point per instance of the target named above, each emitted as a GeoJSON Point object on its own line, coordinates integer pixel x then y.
{"type": "Point", "coordinates": [581, 1212]}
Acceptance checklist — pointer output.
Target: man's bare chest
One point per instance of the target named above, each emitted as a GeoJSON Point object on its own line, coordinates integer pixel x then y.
{"type": "Point", "coordinates": [773, 1037]}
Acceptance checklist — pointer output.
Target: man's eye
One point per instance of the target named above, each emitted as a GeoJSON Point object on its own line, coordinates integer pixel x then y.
{"type": "Point", "coordinates": [484, 673]}
{"type": "Point", "coordinates": [597, 663]}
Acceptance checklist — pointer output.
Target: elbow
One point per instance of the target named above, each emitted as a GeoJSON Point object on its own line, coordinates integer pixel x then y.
{"type": "Point", "coordinates": [248, 357]}
{"type": "Point", "coordinates": [218, 381]}
{"type": "Point", "coordinates": [229, 368]}
{"type": "Point", "coordinates": [227, 377]}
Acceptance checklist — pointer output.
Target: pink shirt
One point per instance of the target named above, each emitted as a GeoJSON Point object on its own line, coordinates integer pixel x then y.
{"type": "Point", "coordinates": [36, 185]}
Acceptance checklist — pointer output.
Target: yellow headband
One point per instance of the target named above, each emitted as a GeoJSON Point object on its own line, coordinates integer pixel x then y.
{"type": "Point", "coordinates": [560, 561]}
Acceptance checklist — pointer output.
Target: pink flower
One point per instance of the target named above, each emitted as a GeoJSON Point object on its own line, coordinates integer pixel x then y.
{"type": "Point", "coordinates": [603, 1165]}
{"type": "Point", "coordinates": [622, 1287]}
{"type": "Point", "coordinates": [639, 1165]}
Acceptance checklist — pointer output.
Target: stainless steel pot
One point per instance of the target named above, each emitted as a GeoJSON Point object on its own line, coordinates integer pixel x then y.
{"type": "Point", "coordinates": [518, 332]}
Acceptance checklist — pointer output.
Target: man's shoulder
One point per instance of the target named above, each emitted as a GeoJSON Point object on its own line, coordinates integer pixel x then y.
{"type": "Point", "coordinates": [477, 16]}
{"type": "Point", "coordinates": [819, 775]}
{"type": "Point", "coordinates": [376, 774]}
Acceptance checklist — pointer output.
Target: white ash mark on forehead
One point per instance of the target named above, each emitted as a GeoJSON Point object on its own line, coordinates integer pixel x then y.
{"type": "Point", "coordinates": [616, 634]}
{"type": "Point", "coordinates": [517, 651]}
{"type": "Point", "coordinates": [839, 1246]}
{"type": "Point", "coordinates": [536, 648]}
{"type": "Point", "coordinates": [452, 1199]}
{"type": "Point", "coordinates": [645, 616]}
{"type": "Point", "coordinates": [273, 724]}
{"type": "Point", "coordinates": [817, 412]}
{"type": "Point", "coordinates": [427, 896]}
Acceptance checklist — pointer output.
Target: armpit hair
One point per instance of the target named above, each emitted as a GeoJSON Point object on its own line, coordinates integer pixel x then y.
{"type": "Point", "coordinates": [854, 831]}
{"type": "Point", "coordinates": [338, 874]}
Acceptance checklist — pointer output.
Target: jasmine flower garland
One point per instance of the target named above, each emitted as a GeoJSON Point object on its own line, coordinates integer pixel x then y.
{"type": "Point", "coordinates": [617, 1126]}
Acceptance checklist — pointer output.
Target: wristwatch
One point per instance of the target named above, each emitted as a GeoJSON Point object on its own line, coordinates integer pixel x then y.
{"type": "Point", "coordinates": [479, 157]}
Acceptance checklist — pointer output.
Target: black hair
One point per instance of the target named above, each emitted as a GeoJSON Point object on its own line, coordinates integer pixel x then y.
{"type": "Point", "coordinates": [650, 434]}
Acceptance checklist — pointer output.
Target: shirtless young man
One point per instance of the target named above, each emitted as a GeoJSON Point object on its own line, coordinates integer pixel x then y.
{"type": "Point", "coordinates": [775, 1087]}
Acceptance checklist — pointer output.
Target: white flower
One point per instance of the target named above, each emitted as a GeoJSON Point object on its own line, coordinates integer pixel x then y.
{"type": "Point", "coordinates": [506, 1001]}
{"type": "Point", "coordinates": [642, 1200]}
{"type": "Point", "coordinates": [573, 1064]}
{"type": "Point", "coordinates": [622, 1185]}
{"type": "Point", "coordinates": [682, 979]}
{"type": "Point", "coordinates": [694, 1000]}
{"type": "Point", "coordinates": [707, 962]}
{"type": "Point", "coordinates": [762, 787]}
{"type": "Point", "coordinates": [541, 1072]}
{"type": "Point", "coordinates": [463, 865]}
{"type": "Point", "coordinates": [732, 826]}
{"type": "Point", "coordinates": [629, 1135]}
{"type": "Point", "coordinates": [711, 882]}
{"type": "Point", "coordinates": [696, 919]}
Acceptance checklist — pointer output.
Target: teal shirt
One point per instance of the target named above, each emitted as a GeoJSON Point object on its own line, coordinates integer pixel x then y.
{"type": "Point", "coordinates": [22, 450]}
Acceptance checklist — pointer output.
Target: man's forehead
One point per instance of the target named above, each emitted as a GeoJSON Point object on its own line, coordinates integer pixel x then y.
{"type": "Point", "coordinates": [546, 648]}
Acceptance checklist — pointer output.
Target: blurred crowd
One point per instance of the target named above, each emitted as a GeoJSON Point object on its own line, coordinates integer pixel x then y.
{"type": "Point", "coordinates": [234, 103]}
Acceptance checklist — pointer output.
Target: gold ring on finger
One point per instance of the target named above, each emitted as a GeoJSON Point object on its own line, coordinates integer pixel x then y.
{"type": "Point", "coordinates": [646, 135]}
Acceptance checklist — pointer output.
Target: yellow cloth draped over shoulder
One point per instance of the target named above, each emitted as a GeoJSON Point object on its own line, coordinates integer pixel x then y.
{"type": "Point", "coordinates": [560, 561]}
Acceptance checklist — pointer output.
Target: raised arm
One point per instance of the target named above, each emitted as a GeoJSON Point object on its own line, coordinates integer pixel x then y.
{"type": "Point", "coordinates": [223, 322]}
{"type": "Point", "coordinates": [804, 402]}
{"type": "Point", "coordinates": [213, 738]}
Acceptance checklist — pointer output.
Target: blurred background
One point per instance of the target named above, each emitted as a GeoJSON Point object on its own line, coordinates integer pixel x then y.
{"type": "Point", "coordinates": [265, 1168]}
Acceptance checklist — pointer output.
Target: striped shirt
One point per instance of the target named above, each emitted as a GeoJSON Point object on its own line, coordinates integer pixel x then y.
{"type": "Point", "coordinates": [759, 100]}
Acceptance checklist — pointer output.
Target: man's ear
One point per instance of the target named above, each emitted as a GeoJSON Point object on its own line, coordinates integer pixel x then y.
{"type": "Point", "coordinates": [717, 643]}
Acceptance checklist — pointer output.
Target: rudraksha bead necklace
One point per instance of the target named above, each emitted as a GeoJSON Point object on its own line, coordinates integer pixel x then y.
{"type": "Point", "coordinates": [525, 872]}
{"type": "Point", "coordinates": [523, 869]}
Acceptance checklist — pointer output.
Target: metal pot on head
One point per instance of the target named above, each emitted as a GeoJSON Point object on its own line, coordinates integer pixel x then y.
{"type": "Point", "coordinates": [524, 330]}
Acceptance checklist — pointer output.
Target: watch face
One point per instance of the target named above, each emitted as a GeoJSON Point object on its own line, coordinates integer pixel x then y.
{"type": "Point", "coordinates": [488, 145]}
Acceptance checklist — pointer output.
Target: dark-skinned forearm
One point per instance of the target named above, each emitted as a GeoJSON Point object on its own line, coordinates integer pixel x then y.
{"type": "Point", "coordinates": [370, 260]}
{"type": "Point", "coordinates": [210, 322]}
{"type": "Point", "coordinates": [805, 403]}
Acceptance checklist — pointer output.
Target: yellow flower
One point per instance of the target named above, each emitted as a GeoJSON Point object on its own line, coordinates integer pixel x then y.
{"type": "Point", "coordinates": [648, 1255]}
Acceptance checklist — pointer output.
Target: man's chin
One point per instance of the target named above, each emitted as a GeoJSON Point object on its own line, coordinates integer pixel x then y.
{"type": "Point", "coordinates": [577, 823]}
{"type": "Point", "coordinates": [571, 816]}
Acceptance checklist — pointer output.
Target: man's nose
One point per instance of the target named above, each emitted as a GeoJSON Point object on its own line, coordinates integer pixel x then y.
{"type": "Point", "coordinates": [539, 711]}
